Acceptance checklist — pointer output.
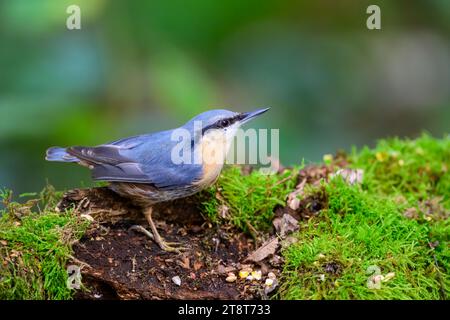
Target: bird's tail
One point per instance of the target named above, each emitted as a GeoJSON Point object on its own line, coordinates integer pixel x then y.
{"type": "Point", "coordinates": [59, 154]}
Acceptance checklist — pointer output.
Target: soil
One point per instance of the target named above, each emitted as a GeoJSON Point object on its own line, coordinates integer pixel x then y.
{"type": "Point", "coordinates": [131, 266]}
{"type": "Point", "coordinates": [119, 263]}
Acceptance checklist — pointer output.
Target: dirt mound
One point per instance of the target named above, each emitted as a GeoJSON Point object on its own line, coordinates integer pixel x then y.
{"type": "Point", "coordinates": [119, 263]}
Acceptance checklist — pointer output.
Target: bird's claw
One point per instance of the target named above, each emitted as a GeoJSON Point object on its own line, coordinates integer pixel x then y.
{"type": "Point", "coordinates": [164, 245]}
{"type": "Point", "coordinates": [171, 246]}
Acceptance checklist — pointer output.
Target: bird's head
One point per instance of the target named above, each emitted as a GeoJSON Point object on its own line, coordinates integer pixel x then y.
{"type": "Point", "coordinates": [223, 121]}
{"type": "Point", "coordinates": [218, 128]}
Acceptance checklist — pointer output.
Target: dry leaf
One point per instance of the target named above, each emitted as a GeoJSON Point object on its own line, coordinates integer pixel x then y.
{"type": "Point", "coordinates": [222, 269]}
{"type": "Point", "coordinates": [285, 225]}
{"type": "Point", "coordinates": [293, 201]}
{"type": "Point", "coordinates": [268, 248]}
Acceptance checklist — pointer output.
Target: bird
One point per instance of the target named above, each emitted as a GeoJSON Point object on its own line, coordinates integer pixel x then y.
{"type": "Point", "coordinates": [147, 168]}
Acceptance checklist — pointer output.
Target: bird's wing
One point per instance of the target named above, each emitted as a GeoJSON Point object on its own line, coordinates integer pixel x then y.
{"type": "Point", "coordinates": [108, 164]}
{"type": "Point", "coordinates": [140, 159]}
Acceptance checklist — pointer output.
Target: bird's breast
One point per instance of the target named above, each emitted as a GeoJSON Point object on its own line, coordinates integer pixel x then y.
{"type": "Point", "coordinates": [213, 149]}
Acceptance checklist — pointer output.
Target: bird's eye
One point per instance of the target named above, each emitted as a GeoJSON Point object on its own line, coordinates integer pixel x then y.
{"type": "Point", "coordinates": [224, 123]}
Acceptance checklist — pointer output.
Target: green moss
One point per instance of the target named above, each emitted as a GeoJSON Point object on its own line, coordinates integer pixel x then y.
{"type": "Point", "coordinates": [35, 248]}
{"type": "Point", "coordinates": [413, 169]}
{"type": "Point", "coordinates": [365, 226]}
{"type": "Point", "coordinates": [359, 230]}
{"type": "Point", "coordinates": [247, 201]}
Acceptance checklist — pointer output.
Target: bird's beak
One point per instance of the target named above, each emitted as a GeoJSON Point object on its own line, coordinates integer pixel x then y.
{"type": "Point", "coordinates": [247, 116]}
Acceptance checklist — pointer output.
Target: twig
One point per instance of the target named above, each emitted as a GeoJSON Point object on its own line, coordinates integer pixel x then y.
{"type": "Point", "coordinates": [291, 176]}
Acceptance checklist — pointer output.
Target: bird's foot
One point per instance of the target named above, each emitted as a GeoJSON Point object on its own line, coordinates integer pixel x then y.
{"type": "Point", "coordinates": [164, 245]}
{"type": "Point", "coordinates": [171, 246]}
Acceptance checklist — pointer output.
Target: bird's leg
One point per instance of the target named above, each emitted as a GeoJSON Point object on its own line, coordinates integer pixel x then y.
{"type": "Point", "coordinates": [166, 246]}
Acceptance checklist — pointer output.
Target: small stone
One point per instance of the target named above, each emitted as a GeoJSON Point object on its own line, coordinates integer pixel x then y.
{"type": "Point", "coordinates": [272, 276]}
{"type": "Point", "coordinates": [231, 277]}
{"type": "Point", "coordinates": [270, 285]}
{"type": "Point", "coordinates": [257, 274]}
{"type": "Point", "coordinates": [176, 280]}
{"type": "Point", "coordinates": [224, 269]}
{"type": "Point", "coordinates": [269, 282]}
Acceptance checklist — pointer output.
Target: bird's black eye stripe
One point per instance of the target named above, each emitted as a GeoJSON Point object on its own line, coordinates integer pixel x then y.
{"type": "Point", "coordinates": [223, 123]}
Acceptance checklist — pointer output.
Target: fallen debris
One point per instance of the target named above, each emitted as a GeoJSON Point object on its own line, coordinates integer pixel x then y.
{"type": "Point", "coordinates": [351, 176]}
{"type": "Point", "coordinates": [293, 200]}
{"type": "Point", "coordinates": [285, 225]}
{"type": "Point", "coordinates": [257, 274]}
{"type": "Point", "coordinates": [176, 280]}
{"type": "Point", "coordinates": [243, 274]}
{"type": "Point", "coordinates": [231, 277]}
{"type": "Point", "coordinates": [271, 283]}
{"type": "Point", "coordinates": [268, 248]}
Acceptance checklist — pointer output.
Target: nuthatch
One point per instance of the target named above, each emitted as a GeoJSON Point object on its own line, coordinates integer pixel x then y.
{"type": "Point", "coordinates": [143, 169]}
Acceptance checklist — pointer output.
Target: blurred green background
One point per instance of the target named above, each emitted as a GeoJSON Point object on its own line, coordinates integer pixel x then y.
{"type": "Point", "coordinates": [141, 66]}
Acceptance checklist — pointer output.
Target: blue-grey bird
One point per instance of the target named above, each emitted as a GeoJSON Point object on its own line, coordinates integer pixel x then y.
{"type": "Point", "coordinates": [162, 166]}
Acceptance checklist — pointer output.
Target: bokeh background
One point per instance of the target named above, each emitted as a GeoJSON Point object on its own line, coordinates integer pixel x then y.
{"type": "Point", "coordinates": [141, 66]}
